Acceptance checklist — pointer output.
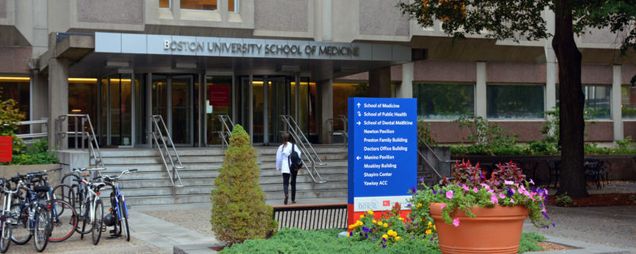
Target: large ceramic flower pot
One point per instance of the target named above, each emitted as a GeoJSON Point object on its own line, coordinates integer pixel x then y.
{"type": "Point", "coordinates": [493, 230]}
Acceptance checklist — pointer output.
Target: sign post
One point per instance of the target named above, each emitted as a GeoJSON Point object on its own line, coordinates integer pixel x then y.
{"type": "Point", "coordinates": [382, 153]}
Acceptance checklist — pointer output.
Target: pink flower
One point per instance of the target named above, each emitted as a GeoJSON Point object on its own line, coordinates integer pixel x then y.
{"type": "Point", "coordinates": [449, 194]}
{"type": "Point", "coordinates": [531, 182]}
{"type": "Point", "coordinates": [508, 182]}
{"type": "Point", "coordinates": [475, 190]}
{"type": "Point", "coordinates": [512, 201]}
{"type": "Point", "coordinates": [456, 222]}
{"type": "Point", "coordinates": [502, 196]}
{"type": "Point", "coordinates": [442, 206]}
{"type": "Point", "coordinates": [486, 186]}
{"type": "Point", "coordinates": [465, 188]}
{"type": "Point", "coordinates": [493, 199]}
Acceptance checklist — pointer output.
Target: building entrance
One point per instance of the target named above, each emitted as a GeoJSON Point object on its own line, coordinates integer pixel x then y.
{"type": "Point", "coordinates": [263, 99]}
{"type": "Point", "coordinates": [172, 99]}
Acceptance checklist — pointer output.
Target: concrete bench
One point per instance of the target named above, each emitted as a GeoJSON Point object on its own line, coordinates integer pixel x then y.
{"type": "Point", "coordinates": [311, 216]}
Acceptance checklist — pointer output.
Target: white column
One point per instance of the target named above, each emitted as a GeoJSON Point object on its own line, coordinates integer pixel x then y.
{"type": "Point", "coordinates": [617, 116]}
{"type": "Point", "coordinates": [326, 19]}
{"type": "Point", "coordinates": [481, 91]}
{"type": "Point", "coordinates": [405, 90]}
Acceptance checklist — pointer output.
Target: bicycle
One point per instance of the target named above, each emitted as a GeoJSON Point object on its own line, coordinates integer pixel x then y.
{"type": "Point", "coordinates": [94, 209]}
{"type": "Point", "coordinates": [118, 209]}
{"type": "Point", "coordinates": [7, 219]}
{"type": "Point", "coordinates": [32, 213]}
{"type": "Point", "coordinates": [74, 190]}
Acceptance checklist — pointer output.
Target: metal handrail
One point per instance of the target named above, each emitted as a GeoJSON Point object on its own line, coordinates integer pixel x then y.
{"type": "Point", "coordinates": [34, 134]}
{"type": "Point", "coordinates": [304, 145]}
{"type": "Point", "coordinates": [82, 130]}
{"type": "Point", "coordinates": [227, 125]}
{"type": "Point", "coordinates": [164, 151]}
{"type": "Point", "coordinates": [342, 132]}
{"type": "Point", "coordinates": [429, 164]}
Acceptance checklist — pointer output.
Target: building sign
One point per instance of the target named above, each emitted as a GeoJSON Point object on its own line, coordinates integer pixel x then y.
{"type": "Point", "coordinates": [287, 49]}
{"type": "Point", "coordinates": [155, 44]}
{"type": "Point", "coordinates": [382, 152]}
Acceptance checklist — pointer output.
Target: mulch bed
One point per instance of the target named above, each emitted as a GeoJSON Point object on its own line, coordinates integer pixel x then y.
{"type": "Point", "coordinates": [609, 199]}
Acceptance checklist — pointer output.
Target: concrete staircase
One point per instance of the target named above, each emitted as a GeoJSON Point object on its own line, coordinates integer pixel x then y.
{"type": "Point", "coordinates": [151, 185]}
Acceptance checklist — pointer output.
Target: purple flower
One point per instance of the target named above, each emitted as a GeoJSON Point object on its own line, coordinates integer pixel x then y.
{"type": "Point", "coordinates": [456, 222]}
{"type": "Point", "coordinates": [449, 194]}
{"type": "Point", "coordinates": [545, 214]}
{"type": "Point", "coordinates": [531, 182]}
{"type": "Point", "coordinates": [434, 192]}
{"type": "Point", "coordinates": [366, 230]}
{"type": "Point", "coordinates": [413, 190]}
{"type": "Point", "coordinates": [510, 192]}
{"type": "Point", "coordinates": [493, 199]}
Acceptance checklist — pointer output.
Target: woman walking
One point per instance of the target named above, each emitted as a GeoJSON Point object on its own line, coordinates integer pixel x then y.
{"type": "Point", "coordinates": [283, 164]}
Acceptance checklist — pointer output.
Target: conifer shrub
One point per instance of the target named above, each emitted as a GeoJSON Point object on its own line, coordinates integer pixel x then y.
{"type": "Point", "coordinates": [239, 211]}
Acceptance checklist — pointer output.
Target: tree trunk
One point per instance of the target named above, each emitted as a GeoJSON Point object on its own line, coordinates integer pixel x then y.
{"type": "Point", "coordinates": [571, 128]}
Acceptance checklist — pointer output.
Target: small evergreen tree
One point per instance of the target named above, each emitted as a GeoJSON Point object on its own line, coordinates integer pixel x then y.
{"type": "Point", "coordinates": [239, 211]}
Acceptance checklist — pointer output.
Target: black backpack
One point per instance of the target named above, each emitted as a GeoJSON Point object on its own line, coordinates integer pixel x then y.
{"type": "Point", "coordinates": [295, 163]}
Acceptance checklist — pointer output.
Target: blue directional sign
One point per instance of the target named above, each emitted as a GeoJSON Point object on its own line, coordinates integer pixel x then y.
{"type": "Point", "coordinates": [382, 152]}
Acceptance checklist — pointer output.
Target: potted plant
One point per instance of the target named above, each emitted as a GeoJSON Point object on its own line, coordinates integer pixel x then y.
{"type": "Point", "coordinates": [478, 214]}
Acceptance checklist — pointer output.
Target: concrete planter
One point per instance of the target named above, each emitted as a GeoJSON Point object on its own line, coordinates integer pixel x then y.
{"type": "Point", "coordinates": [52, 169]}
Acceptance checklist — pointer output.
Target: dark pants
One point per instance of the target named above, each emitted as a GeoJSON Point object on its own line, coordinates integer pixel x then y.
{"type": "Point", "coordinates": [293, 184]}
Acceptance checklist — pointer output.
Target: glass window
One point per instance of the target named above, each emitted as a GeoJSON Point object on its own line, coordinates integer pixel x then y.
{"type": "Point", "coordinates": [444, 101]}
{"type": "Point", "coordinates": [207, 5]}
{"type": "Point", "coordinates": [628, 95]}
{"type": "Point", "coordinates": [341, 94]}
{"type": "Point", "coordinates": [597, 101]}
{"type": "Point", "coordinates": [515, 101]}
{"type": "Point", "coordinates": [231, 4]}
{"type": "Point", "coordinates": [164, 3]}
{"type": "Point", "coordinates": [18, 89]}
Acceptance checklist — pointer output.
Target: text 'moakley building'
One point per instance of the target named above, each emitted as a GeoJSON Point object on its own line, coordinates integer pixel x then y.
{"type": "Point", "coordinates": [253, 61]}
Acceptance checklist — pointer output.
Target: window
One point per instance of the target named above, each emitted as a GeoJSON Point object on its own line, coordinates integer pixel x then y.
{"type": "Point", "coordinates": [444, 101]}
{"type": "Point", "coordinates": [207, 5]}
{"type": "Point", "coordinates": [17, 89]}
{"type": "Point", "coordinates": [628, 95]}
{"type": "Point", "coordinates": [515, 101]}
{"type": "Point", "coordinates": [597, 101]}
{"type": "Point", "coordinates": [231, 5]}
{"type": "Point", "coordinates": [164, 3]}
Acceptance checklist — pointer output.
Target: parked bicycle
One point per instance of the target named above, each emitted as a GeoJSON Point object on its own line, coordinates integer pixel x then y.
{"type": "Point", "coordinates": [118, 216]}
{"type": "Point", "coordinates": [31, 210]}
{"type": "Point", "coordinates": [93, 213]}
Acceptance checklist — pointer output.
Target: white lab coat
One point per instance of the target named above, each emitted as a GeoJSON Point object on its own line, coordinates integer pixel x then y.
{"type": "Point", "coordinates": [282, 157]}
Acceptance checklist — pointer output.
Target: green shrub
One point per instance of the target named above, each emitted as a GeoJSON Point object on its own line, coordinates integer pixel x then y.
{"type": "Point", "coordinates": [424, 134]}
{"type": "Point", "coordinates": [37, 153]}
{"type": "Point", "coordinates": [529, 242]}
{"type": "Point", "coordinates": [10, 116]}
{"type": "Point", "coordinates": [292, 241]}
{"type": "Point", "coordinates": [564, 200]}
{"type": "Point", "coordinates": [239, 211]}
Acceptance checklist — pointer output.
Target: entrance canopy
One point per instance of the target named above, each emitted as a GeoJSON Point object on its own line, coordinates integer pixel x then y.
{"type": "Point", "coordinates": [323, 60]}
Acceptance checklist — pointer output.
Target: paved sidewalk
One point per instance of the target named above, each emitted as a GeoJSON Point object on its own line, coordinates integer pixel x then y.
{"type": "Point", "coordinates": [611, 227]}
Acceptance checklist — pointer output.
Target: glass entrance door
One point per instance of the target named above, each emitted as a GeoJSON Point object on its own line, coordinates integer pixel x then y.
{"type": "Point", "coordinates": [172, 99]}
{"type": "Point", "coordinates": [218, 101]}
{"type": "Point", "coordinates": [116, 110]}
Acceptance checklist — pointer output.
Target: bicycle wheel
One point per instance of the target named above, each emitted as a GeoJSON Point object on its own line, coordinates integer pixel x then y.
{"type": "Point", "coordinates": [64, 223]}
{"type": "Point", "coordinates": [66, 193]}
{"type": "Point", "coordinates": [41, 228]}
{"type": "Point", "coordinates": [5, 236]}
{"type": "Point", "coordinates": [85, 218]}
{"type": "Point", "coordinates": [123, 211]}
{"type": "Point", "coordinates": [20, 235]}
{"type": "Point", "coordinates": [98, 222]}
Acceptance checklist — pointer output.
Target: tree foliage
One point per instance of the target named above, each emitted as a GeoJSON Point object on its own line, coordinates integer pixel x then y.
{"type": "Point", "coordinates": [526, 20]}
{"type": "Point", "coordinates": [522, 19]}
{"type": "Point", "coordinates": [10, 117]}
{"type": "Point", "coordinates": [239, 211]}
